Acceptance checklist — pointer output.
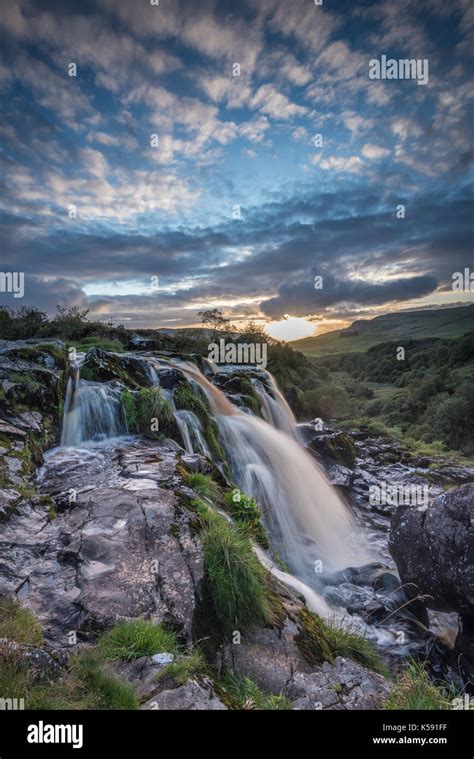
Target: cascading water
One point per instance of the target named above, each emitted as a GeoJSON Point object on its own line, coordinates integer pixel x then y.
{"type": "Point", "coordinates": [276, 410]}
{"type": "Point", "coordinates": [191, 432]}
{"type": "Point", "coordinates": [92, 412]}
{"type": "Point", "coordinates": [307, 520]}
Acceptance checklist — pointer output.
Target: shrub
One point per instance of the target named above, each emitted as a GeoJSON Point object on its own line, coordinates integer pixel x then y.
{"type": "Point", "coordinates": [237, 579]}
{"type": "Point", "coordinates": [131, 639]}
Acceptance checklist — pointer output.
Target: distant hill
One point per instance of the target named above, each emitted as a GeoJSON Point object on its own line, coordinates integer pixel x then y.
{"type": "Point", "coordinates": [362, 334]}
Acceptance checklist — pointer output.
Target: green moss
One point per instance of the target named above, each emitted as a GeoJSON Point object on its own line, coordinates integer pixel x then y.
{"type": "Point", "coordinates": [245, 694]}
{"type": "Point", "coordinates": [185, 397]}
{"type": "Point", "coordinates": [130, 640]}
{"type": "Point", "coordinates": [130, 410]}
{"type": "Point", "coordinates": [18, 623]}
{"type": "Point", "coordinates": [414, 690]}
{"type": "Point", "coordinates": [87, 374]}
{"type": "Point", "coordinates": [144, 406]}
{"type": "Point", "coordinates": [321, 641]}
{"type": "Point", "coordinates": [237, 579]}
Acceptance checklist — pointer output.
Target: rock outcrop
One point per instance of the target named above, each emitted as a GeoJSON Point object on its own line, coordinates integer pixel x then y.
{"type": "Point", "coordinates": [434, 550]}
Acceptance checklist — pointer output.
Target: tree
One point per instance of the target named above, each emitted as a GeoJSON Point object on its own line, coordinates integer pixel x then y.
{"type": "Point", "coordinates": [214, 320]}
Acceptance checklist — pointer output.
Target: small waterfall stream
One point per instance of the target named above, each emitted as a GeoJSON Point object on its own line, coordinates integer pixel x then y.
{"type": "Point", "coordinates": [92, 412]}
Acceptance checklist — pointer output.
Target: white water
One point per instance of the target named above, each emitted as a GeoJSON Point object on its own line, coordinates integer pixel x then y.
{"type": "Point", "coordinates": [307, 520]}
{"type": "Point", "coordinates": [191, 432]}
{"type": "Point", "coordinates": [276, 410]}
{"type": "Point", "coordinates": [92, 412]}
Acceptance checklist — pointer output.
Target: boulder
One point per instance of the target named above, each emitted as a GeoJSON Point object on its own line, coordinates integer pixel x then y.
{"type": "Point", "coordinates": [342, 685]}
{"type": "Point", "coordinates": [433, 548]}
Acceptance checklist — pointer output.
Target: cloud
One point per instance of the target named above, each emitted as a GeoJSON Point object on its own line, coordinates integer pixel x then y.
{"type": "Point", "coordinates": [268, 100]}
{"type": "Point", "coordinates": [302, 299]}
{"type": "Point", "coordinates": [373, 152]}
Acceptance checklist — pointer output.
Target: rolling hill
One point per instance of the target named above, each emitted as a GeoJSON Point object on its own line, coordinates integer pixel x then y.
{"type": "Point", "coordinates": [362, 334]}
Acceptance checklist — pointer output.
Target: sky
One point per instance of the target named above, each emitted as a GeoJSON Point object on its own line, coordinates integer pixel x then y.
{"type": "Point", "coordinates": [158, 160]}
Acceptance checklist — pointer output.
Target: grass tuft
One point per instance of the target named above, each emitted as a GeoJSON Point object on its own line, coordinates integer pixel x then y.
{"type": "Point", "coordinates": [129, 640]}
{"type": "Point", "coordinates": [237, 579]}
{"type": "Point", "coordinates": [321, 641]}
{"type": "Point", "coordinates": [413, 690]}
{"type": "Point", "coordinates": [245, 694]}
{"type": "Point", "coordinates": [204, 486]}
{"type": "Point", "coordinates": [184, 667]}
{"type": "Point", "coordinates": [18, 623]}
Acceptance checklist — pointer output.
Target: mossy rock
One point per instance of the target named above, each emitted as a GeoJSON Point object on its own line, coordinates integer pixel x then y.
{"type": "Point", "coordinates": [102, 366]}
{"type": "Point", "coordinates": [335, 447]}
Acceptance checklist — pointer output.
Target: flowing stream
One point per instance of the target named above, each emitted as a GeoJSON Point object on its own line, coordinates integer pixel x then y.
{"type": "Point", "coordinates": [311, 530]}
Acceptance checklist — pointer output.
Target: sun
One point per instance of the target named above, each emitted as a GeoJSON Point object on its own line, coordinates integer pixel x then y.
{"type": "Point", "coordinates": [290, 328]}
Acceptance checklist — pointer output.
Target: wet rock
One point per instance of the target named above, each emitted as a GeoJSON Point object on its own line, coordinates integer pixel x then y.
{"type": "Point", "coordinates": [341, 685]}
{"type": "Point", "coordinates": [434, 550]}
{"type": "Point", "coordinates": [114, 553]}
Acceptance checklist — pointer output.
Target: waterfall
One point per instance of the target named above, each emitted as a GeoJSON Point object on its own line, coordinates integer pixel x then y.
{"type": "Point", "coordinates": [92, 412]}
{"type": "Point", "coordinates": [191, 432]}
{"type": "Point", "coordinates": [275, 409]}
{"type": "Point", "coordinates": [308, 522]}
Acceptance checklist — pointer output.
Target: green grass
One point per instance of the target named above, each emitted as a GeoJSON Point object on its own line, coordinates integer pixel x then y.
{"type": "Point", "coordinates": [129, 640]}
{"type": "Point", "coordinates": [448, 323]}
{"type": "Point", "coordinates": [142, 407]}
{"type": "Point", "coordinates": [246, 512]}
{"type": "Point", "coordinates": [18, 623]}
{"type": "Point", "coordinates": [237, 579]}
{"type": "Point", "coordinates": [321, 641]}
{"type": "Point", "coordinates": [414, 690]}
{"type": "Point", "coordinates": [100, 342]}
{"type": "Point", "coordinates": [245, 694]}
{"type": "Point", "coordinates": [204, 486]}
{"type": "Point", "coordinates": [103, 690]}
{"type": "Point", "coordinates": [130, 410]}
{"type": "Point", "coordinates": [86, 684]}
{"type": "Point", "coordinates": [184, 667]}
